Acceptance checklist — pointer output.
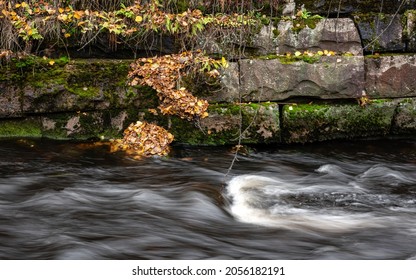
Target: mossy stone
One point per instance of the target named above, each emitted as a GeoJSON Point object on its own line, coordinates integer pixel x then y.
{"type": "Point", "coordinates": [320, 122]}
{"type": "Point", "coordinates": [27, 127]}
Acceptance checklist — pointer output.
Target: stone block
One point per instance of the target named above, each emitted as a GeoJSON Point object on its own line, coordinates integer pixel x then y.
{"type": "Point", "coordinates": [259, 124]}
{"type": "Point", "coordinates": [79, 85]}
{"type": "Point", "coordinates": [391, 76]}
{"type": "Point", "coordinates": [311, 123]}
{"type": "Point", "coordinates": [10, 103]}
{"type": "Point", "coordinates": [404, 122]}
{"type": "Point", "coordinates": [21, 127]}
{"type": "Point", "coordinates": [339, 35]}
{"type": "Point", "coordinates": [364, 6]}
{"type": "Point", "coordinates": [381, 32]}
{"type": "Point", "coordinates": [102, 124]}
{"type": "Point", "coordinates": [331, 77]}
{"type": "Point", "coordinates": [409, 31]}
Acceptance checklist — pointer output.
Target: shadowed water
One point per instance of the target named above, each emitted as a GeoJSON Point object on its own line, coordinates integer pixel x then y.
{"type": "Point", "coordinates": [62, 200]}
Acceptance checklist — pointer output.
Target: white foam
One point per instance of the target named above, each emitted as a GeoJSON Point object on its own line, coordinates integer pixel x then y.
{"type": "Point", "coordinates": [245, 190]}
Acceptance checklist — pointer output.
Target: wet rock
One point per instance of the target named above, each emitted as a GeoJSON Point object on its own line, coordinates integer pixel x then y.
{"type": "Point", "coordinates": [391, 76]}
{"type": "Point", "coordinates": [78, 85]}
{"type": "Point", "coordinates": [10, 105]}
{"type": "Point", "coordinates": [339, 35]}
{"type": "Point", "coordinates": [86, 125]}
{"type": "Point", "coordinates": [381, 32]}
{"type": "Point", "coordinates": [312, 34]}
{"type": "Point", "coordinates": [410, 30]}
{"type": "Point", "coordinates": [331, 77]}
{"type": "Point", "coordinates": [364, 6]}
{"type": "Point", "coordinates": [21, 127]}
{"type": "Point", "coordinates": [311, 123]}
{"type": "Point", "coordinates": [259, 124]}
{"type": "Point", "coordinates": [289, 8]}
{"type": "Point", "coordinates": [404, 121]}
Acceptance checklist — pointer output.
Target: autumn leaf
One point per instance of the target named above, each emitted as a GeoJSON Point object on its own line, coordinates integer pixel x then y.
{"type": "Point", "coordinates": [78, 14]}
{"type": "Point", "coordinates": [51, 62]}
{"type": "Point", "coordinates": [138, 19]}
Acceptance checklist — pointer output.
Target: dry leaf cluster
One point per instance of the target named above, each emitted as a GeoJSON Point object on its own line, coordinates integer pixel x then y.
{"type": "Point", "coordinates": [164, 74]}
{"type": "Point", "coordinates": [143, 139]}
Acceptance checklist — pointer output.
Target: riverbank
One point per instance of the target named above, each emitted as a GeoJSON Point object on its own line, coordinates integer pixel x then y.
{"type": "Point", "coordinates": [292, 79]}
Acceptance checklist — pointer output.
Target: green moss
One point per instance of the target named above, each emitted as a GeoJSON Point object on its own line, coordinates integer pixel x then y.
{"type": "Point", "coordinates": [408, 17]}
{"type": "Point", "coordinates": [276, 33]}
{"type": "Point", "coordinates": [260, 124]}
{"type": "Point", "coordinates": [404, 122]}
{"type": "Point", "coordinates": [20, 128]}
{"type": "Point", "coordinates": [309, 123]}
{"type": "Point", "coordinates": [292, 58]}
{"type": "Point", "coordinates": [84, 92]}
{"type": "Point", "coordinates": [300, 23]}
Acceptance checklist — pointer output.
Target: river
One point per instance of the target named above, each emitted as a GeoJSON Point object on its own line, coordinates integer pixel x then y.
{"type": "Point", "coordinates": [332, 200]}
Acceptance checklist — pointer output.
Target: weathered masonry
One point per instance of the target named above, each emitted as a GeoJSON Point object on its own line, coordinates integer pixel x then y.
{"type": "Point", "coordinates": [273, 97]}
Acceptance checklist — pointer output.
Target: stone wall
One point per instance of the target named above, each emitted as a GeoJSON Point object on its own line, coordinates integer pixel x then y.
{"type": "Point", "coordinates": [365, 87]}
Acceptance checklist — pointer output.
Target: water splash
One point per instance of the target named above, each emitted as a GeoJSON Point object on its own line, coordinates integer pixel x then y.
{"type": "Point", "coordinates": [264, 201]}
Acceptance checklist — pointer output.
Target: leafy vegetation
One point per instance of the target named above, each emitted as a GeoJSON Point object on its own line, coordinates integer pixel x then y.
{"type": "Point", "coordinates": [304, 18]}
{"type": "Point", "coordinates": [23, 23]}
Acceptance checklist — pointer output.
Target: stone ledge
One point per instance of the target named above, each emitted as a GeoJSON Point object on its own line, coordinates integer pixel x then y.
{"type": "Point", "coordinates": [339, 35]}
{"type": "Point", "coordinates": [404, 122]}
{"type": "Point", "coordinates": [261, 123]}
{"type": "Point", "coordinates": [390, 76]}
{"type": "Point", "coordinates": [259, 80]}
{"type": "Point", "coordinates": [313, 123]}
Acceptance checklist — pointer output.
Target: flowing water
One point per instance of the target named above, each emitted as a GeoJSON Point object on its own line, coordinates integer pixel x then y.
{"type": "Point", "coordinates": [64, 200]}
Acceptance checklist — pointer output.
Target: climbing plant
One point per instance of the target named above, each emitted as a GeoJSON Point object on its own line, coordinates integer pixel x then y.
{"type": "Point", "coordinates": [44, 19]}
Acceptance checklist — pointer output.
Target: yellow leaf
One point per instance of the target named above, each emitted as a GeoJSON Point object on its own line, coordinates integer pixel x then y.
{"type": "Point", "coordinates": [224, 62]}
{"type": "Point", "coordinates": [61, 10]}
{"type": "Point", "coordinates": [52, 62]}
{"type": "Point", "coordinates": [139, 19]}
{"type": "Point", "coordinates": [24, 5]}
{"type": "Point", "coordinates": [18, 6]}
{"type": "Point", "coordinates": [298, 53]}
{"type": "Point", "coordinates": [67, 35]}
{"type": "Point", "coordinates": [320, 52]}
{"type": "Point", "coordinates": [78, 14]}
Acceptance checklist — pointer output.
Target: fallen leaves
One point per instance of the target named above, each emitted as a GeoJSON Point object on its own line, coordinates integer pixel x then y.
{"type": "Point", "coordinates": [142, 139]}
{"type": "Point", "coordinates": [164, 75]}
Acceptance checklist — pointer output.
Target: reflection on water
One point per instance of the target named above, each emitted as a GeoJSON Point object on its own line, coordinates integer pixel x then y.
{"type": "Point", "coordinates": [61, 200]}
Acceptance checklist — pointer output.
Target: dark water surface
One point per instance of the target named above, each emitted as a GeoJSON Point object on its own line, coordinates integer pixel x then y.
{"type": "Point", "coordinates": [62, 200]}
